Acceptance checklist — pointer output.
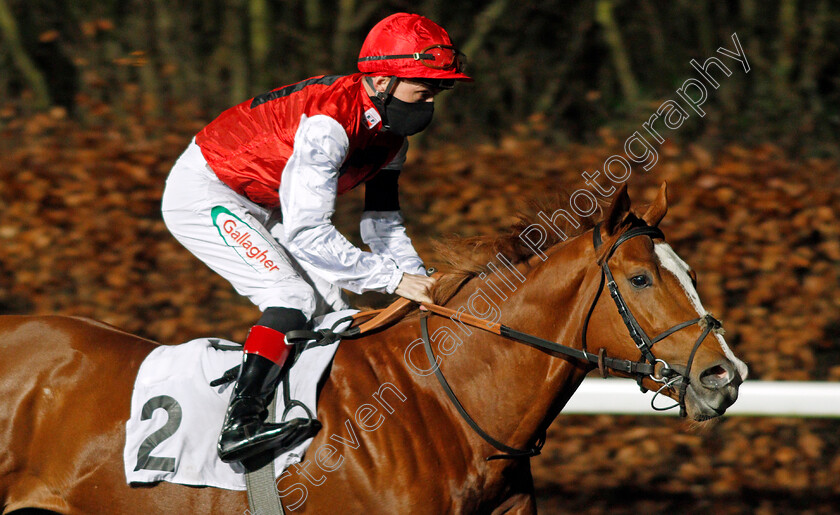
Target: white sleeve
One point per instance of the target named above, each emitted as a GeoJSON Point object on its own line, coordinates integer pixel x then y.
{"type": "Point", "coordinates": [307, 198]}
{"type": "Point", "coordinates": [384, 232]}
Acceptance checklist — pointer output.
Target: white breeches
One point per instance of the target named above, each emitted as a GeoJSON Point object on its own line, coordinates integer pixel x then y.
{"type": "Point", "coordinates": [241, 241]}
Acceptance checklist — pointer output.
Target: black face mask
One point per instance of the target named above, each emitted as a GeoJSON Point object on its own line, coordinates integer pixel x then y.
{"type": "Point", "coordinates": [404, 118]}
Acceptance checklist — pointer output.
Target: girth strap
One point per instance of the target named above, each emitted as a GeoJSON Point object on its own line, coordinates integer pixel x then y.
{"type": "Point", "coordinates": [261, 482]}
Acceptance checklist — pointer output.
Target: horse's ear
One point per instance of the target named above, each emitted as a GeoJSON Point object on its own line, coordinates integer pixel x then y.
{"type": "Point", "coordinates": [656, 212]}
{"type": "Point", "coordinates": [618, 210]}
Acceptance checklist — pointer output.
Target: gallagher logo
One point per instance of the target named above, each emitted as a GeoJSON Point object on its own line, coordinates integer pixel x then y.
{"type": "Point", "coordinates": [251, 246]}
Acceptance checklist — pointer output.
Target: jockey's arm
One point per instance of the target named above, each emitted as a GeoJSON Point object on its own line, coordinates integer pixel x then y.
{"type": "Point", "coordinates": [307, 198]}
{"type": "Point", "coordinates": [382, 226]}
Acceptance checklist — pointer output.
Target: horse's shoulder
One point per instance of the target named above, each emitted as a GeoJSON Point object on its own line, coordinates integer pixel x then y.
{"type": "Point", "coordinates": [376, 358]}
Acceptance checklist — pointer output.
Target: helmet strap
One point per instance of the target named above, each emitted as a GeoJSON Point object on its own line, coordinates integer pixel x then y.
{"type": "Point", "coordinates": [384, 97]}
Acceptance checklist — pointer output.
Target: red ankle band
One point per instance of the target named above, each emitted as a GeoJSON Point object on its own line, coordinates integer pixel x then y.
{"type": "Point", "coordinates": [267, 343]}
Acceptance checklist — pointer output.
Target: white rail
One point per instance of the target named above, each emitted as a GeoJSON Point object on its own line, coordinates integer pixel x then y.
{"type": "Point", "coordinates": [755, 398]}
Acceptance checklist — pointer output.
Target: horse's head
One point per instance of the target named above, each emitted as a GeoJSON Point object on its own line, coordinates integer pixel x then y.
{"type": "Point", "coordinates": [655, 290]}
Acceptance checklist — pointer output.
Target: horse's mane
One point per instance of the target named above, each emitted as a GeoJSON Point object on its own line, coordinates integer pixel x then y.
{"type": "Point", "coordinates": [465, 258]}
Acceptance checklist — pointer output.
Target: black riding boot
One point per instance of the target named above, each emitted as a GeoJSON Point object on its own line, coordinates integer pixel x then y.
{"type": "Point", "coordinates": [245, 432]}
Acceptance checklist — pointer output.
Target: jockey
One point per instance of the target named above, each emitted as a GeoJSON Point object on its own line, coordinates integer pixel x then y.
{"type": "Point", "coordinates": [253, 196]}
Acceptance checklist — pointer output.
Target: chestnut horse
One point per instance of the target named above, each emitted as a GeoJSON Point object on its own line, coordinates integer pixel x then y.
{"type": "Point", "coordinates": [392, 440]}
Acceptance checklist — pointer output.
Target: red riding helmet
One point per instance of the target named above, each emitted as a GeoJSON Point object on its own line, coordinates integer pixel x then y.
{"type": "Point", "coordinates": [411, 46]}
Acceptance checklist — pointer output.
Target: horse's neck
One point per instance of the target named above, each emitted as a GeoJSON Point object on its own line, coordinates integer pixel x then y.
{"type": "Point", "coordinates": [517, 389]}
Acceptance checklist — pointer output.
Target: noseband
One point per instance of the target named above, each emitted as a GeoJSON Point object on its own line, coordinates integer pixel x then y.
{"type": "Point", "coordinates": [644, 367]}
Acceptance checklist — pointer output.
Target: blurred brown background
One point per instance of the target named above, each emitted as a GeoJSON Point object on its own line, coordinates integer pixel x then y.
{"type": "Point", "coordinates": [98, 98]}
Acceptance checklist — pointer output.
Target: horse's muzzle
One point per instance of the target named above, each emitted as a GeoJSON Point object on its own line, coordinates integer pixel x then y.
{"type": "Point", "coordinates": [712, 390]}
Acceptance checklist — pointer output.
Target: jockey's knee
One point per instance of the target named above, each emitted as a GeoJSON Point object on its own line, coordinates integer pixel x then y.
{"type": "Point", "coordinates": [283, 319]}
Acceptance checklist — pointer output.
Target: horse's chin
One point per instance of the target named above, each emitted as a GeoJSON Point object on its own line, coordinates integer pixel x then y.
{"type": "Point", "coordinates": [707, 404]}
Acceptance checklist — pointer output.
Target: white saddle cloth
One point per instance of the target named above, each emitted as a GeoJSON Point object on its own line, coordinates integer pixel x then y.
{"type": "Point", "coordinates": [176, 416]}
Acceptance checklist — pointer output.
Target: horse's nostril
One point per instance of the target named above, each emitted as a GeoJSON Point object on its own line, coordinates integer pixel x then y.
{"type": "Point", "coordinates": [717, 376]}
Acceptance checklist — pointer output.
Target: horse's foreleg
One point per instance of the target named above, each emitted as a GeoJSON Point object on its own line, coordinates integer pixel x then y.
{"type": "Point", "coordinates": [519, 499]}
{"type": "Point", "coordinates": [518, 504]}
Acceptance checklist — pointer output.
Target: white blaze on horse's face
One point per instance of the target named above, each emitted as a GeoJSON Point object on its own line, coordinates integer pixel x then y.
{"type": "Point", "coordinates": [673, 263]}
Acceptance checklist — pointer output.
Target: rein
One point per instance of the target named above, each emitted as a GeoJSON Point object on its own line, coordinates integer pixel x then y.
{"type": "Point", "coordinates": [644, 367]}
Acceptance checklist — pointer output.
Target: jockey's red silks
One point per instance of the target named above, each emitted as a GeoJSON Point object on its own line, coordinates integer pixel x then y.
{"type": "Point", "coordinates": [248, 145]}
{"type": "Point", "coordinates": [268, 343]}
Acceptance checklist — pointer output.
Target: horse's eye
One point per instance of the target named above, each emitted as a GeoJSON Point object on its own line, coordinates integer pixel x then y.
{"type": "Point", "coordinates": [640, 281]}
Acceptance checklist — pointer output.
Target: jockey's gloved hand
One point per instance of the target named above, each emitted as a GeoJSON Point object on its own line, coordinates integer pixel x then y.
{"type": "Point", "coordinates": [416, 287]}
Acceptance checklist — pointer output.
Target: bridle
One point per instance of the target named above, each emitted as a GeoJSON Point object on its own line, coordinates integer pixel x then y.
{"type": "Point", "coordinates": [641, 369]}
{"type": "Point", "coordinates": [668, 376]}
